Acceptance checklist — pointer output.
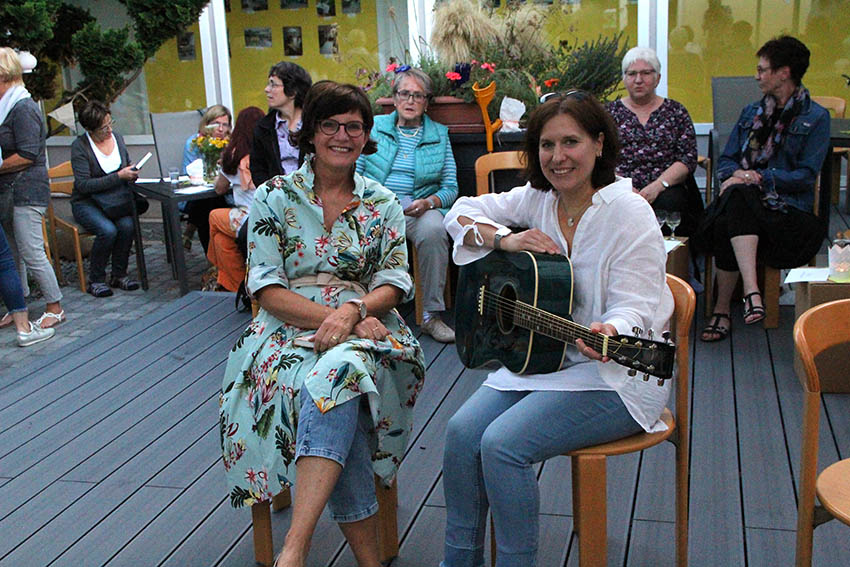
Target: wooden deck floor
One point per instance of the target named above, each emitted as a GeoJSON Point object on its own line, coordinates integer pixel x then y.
{"type": "Point", "coordinates": [109, 455]}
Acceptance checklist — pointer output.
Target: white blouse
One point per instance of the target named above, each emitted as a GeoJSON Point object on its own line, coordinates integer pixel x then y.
{"type": "Point", "coordinates": [108, 162]}
{"type": "Point", "coordinates": [618, 263]}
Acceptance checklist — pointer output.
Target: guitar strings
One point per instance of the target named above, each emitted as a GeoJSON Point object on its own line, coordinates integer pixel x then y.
{"type": "Point", "coordinates": [552, 321]}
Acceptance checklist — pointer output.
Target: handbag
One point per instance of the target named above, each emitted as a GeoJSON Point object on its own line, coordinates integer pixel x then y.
{"type": "Point", "coordinates": [115, 203]}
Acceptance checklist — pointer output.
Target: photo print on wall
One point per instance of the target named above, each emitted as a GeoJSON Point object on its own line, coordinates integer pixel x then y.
{"type": "Point", "coordinates": [293, 4]}
{"type": "Point", "coordinates": [326, 8]}
{"type": "Point", "coordinates": [186, 46]}
{"type": "Point", "coordinates": [327, 40]}
{"type": "Point", "coordinates": [258, 38]}
{"type": "Point", "coordinates": [292, 41]}
{"type": "Point", "coordinates": [254, 5]}
{"type": "Point", "coordinates": [350, 6]}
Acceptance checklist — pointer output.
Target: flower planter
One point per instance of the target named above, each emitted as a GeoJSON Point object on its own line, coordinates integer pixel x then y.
{"type": "Point", "coordinates": [460, 116]}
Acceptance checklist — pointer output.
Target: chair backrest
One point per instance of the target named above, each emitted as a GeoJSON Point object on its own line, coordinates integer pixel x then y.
{"type": "Point", "coordinates": [836, 105]}
{"type": "Point", "coordinates": [729, 95]}
{"type": "Point", "coordinates": [685, 301]}
{"type": "Point", "coordinates": [170, 131]}
{"type": "Point", "coordinates": [497, 161]}
{"type": "Point", "coordinates": [58, 175]}
{"type": "Point", "coordinates": [817, 330]}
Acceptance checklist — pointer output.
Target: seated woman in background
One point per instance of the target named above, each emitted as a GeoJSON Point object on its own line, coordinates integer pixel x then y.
{"type": "Point", "coordinates": [415, 160]}
{"type": "Point", "coordinates": [768, 171]}
{"type": "Point", "coordinates": [659, 143]}
{"type": "Point", "coordinates": [225, 223]}
{"type": "Point", "coordinates": [215, 122]}
{"type": "Point", "coordinates": [573, 205]}
{"type": "Point", "coordinates": [328, 264]}
{"type": "Point", "coordinates": [101, 163]}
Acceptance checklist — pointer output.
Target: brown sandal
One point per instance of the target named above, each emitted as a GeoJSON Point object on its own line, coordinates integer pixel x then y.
{"type": "Point", "coordinates": [714, 327]}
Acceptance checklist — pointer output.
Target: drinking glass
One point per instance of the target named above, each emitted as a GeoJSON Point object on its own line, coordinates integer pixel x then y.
{"type": "Point", "coordinates": [661, 217]}
{"type": "Point", "coordinates": [674, 218]}
{"type": "Point", "coordinates": [173, 175]}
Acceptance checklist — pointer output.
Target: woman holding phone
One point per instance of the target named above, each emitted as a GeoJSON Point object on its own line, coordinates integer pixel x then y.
{"type": "Point", "coordinates": [101, 163]}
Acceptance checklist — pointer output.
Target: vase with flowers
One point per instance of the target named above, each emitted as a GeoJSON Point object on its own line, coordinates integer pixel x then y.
{"type": "Point", "coordinates": [210, 149]}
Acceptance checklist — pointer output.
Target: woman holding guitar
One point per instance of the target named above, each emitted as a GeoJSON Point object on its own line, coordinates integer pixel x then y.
{"type": "Point", "coordinates": [573, 205]}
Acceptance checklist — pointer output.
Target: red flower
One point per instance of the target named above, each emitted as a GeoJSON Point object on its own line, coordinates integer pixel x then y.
{"type": "Point", "coordinates": [551, 82]}
{"type": "Point", "coordinates": [453, 76]}
{"type": "Point", "coordinates": [392, 67]}
{"type": "Point", "coordinates": [488, 66]}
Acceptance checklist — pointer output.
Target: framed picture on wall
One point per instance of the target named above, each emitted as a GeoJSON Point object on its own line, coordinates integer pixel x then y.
{"type": "Point", "coordinates": [258, 38]}
{"type": "Point", "coordinates": [327, 40]}
{"type": "Point", "coordinates": [293, 4]}
{"type": "Point", "coordinates": [292, 41]}
{"type": "Point", "coordinates": [255, 5]}
{"type": "Point", "coordinates": [350, 6]}
{"type": "Point", "coordinates": [326, 7]}
{"type": "Point", "coordinates": [186, 46]}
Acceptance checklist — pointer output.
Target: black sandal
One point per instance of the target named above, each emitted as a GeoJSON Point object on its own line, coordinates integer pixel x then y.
{"type": "Point", "coordinates": [753, 310]}
{"type": "Point", "coordinates": [716, 328]}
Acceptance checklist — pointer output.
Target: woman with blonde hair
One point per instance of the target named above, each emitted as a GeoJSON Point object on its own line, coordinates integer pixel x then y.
{"type": "Point", "coordinates": [24, 186]}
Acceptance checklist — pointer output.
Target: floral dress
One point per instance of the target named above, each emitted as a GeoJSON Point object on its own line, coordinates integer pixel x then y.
{"type": "Point", "coordinates": [259, 403]}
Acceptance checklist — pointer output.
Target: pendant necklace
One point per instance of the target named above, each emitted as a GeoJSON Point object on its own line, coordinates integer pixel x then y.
{"type": "Point", "coordinates": [571, 219]}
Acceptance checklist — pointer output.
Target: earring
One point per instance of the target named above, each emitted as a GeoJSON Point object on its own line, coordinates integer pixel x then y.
{"type": "Point", "coordinates": [599, 153]}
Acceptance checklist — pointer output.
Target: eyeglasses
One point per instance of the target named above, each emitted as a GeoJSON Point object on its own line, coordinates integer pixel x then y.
{"type": "Point", "coordinates": [580, 95]}
{"type": "Point", "coordinates": [106, 128]}
{"type": "Point", "coordinates": [644, 73]}
{"type": "Point", "coordinates": [272, 85]}
{"type": "Point", "coordinates": [762, 70]}
{"type": "Point", "coordinates": [329, 127]}
{"type": "Point", "coordinates": [407, 95]}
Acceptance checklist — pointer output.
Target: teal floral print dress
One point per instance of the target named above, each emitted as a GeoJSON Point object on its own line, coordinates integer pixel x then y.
{"type": "Point", "coordinates": [265, 371]}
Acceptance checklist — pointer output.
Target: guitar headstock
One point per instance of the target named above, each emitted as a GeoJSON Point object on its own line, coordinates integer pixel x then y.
{"type": "Point", "coordinates": [639, 354]}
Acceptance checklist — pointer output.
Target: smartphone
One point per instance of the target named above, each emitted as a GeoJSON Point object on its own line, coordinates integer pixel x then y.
{"type": "Point", "coordinates": [142, 162]}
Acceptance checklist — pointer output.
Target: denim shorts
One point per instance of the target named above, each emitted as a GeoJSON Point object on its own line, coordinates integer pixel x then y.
{"type": "Point", "coordinates": [340, 435]}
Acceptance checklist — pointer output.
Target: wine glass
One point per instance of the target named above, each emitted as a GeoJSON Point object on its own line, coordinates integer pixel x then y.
{"type": "Point", "coordinates": [674, 218]}
{"type": "Point", "coordinates": [661, 217]}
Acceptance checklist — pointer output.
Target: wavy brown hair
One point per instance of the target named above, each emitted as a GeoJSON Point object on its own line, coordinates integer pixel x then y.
{"type": "Point", "coordinates": [240, 139]}
{"type": "Point", "coordinates": [326, 99]}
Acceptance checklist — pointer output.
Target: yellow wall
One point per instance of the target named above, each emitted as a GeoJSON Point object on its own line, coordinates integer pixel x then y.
{"type": "Point", "coordinates": [178, 85]}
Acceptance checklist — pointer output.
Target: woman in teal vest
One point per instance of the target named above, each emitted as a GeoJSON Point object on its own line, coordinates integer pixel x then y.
{"type": "Point", "coordinates": [415, 161]}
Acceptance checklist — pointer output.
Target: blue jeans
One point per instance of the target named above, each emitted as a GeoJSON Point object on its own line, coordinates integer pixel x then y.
{"type": "Point", "coordinates": [339, 434]}
{"type": "Point", "coordinates": [10, 281]}
{"type": "Point", "coordinates": [111, 238]}
{"type": "Point", "coordinates": [491, 444]}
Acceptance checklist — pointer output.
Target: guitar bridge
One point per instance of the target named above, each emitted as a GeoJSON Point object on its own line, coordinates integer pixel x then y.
{"type": "Point", "coordinates": [481, 301]}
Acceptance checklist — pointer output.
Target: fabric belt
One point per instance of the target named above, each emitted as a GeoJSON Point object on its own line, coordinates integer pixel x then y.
{"type": "Point", "coordinates": [326, 279]}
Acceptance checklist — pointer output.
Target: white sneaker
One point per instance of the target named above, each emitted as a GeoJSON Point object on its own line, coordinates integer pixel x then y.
{"type": "Point", "coordinates": [35, 335]}
{"type": "Point", "coordinates": [439, 330]}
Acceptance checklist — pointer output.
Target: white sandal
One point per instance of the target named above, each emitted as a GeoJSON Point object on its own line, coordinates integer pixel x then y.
{"type": "Point", "coordinates": [58, 317]}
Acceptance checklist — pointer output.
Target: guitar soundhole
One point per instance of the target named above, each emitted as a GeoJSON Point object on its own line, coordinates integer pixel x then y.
{"type": "Point", "coordinates": [505, 308]}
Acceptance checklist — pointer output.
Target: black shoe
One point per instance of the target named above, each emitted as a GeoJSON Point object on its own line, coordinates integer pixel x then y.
{"type": "Point", "coordinates": [99, 289]}
{"type": "Point", "coordinates": [126, 283]}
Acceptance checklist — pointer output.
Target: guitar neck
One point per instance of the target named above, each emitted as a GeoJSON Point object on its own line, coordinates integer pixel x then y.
{"type": "Point", "coordinates": [545, 323]}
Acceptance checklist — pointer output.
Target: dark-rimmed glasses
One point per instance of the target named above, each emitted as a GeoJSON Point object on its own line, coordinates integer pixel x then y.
{"type": "Point", "coordinates": [407, 95]}
{"type": "Point", "coordinates": [354, 129]}
{"type": "Point", "coordinates": [644, 74]}
{"type": "Point", "coordinates": [579, 94]}
{"type": "Point", "coordinates": [106, 128]}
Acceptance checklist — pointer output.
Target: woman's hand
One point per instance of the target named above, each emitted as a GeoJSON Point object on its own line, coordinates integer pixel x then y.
{"type": "Point", "coordinates": [128, 173]}
{"type": "Point", "coordinates": [596, 327]}
{"type": "Point", "coordinates": [749, 176]}
{"type": "Point", "coordinates": [336, 327]}
{"type": "Point", "coordinates": [418, 207]}
{"type": "Point", "coordinates": [651, 191]}
{"type": "Point", "coordinates": [532, 240]}
{"type": "Point", "coordinates": [371, 328]}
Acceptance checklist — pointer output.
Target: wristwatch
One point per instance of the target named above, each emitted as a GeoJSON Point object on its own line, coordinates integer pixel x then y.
{"type": "Point", "coordinates": [665, 184]}
{"type": "Point", "coordinates": [361, 307]}
{"type": "Point", "coordinates": [497, 238]}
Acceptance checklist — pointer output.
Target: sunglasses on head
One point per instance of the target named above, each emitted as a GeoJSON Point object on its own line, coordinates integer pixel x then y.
{"type": "Point", "coordinates": [579, 94]}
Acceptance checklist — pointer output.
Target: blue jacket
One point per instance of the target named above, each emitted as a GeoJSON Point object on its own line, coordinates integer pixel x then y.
{"type": "Point", "coordinates": [430, 155]}
{"type": "Point", "coordinates": [796, 164]}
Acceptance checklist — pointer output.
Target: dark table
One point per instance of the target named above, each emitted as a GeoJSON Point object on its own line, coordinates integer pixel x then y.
{"type": "Point", "coordinates": [168, 197]}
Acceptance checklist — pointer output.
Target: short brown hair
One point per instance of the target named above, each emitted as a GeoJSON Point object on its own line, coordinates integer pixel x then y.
{"type": "Point", "coordinates": [787, 51]}
{"type": "Point", "coordinates": [326, 99]}
{"type": "Point", "coordinates": [93, 114]}
{"type": "Point", "coordinates": [210, 114]}
{"type": "Point", "coordinates": [591, 117]}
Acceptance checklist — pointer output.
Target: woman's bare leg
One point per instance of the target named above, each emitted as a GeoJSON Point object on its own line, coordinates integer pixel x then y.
{"type": "Point", "coordinates": [317, 477]}
{"type": "Point", "coordinates": [745, 248]}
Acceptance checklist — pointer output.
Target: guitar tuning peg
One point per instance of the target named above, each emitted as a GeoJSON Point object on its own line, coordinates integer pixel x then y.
{"type": "Point", "coordinates": [637, 331]}
{"type": "Point", "coordinates": [646, 377]}
{"type": "Point", "coordinates": [665, 335]}
{"type": "Point", "coordinates": [661, 381]}
{"type": "Point", "coordinates": [649, 334]}
{"type": "Point", "coordinates": [632, 372]}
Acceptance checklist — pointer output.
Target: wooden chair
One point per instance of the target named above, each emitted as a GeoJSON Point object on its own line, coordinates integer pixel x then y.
{"type": "Point", "coordinates": [62, 189]}
{"type": "Point", "coordinates": [837, 107]}
{"type": "Point", "coordinates": [589, 464]}
{"type": "Point", "coordinates": [387, 514]}
{"type": "Point", "coordinates": [817, 330]}
{"type": "Point", "coordinates": [498, 161]}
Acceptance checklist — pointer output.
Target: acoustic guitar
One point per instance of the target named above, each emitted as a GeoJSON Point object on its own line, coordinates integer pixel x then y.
{"type": "Point", "coordinates": [514, 308]}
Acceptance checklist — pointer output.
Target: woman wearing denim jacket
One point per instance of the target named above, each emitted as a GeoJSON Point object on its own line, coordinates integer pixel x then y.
{"type": "Point", "coordinates": [768, 171]}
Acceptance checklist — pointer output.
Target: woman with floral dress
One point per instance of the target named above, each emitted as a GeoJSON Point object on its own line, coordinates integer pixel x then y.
{"type": "Point", "coordinates": [328, 264]}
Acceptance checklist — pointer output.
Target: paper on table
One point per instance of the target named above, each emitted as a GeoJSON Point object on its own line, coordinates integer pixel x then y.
{"type": "Point", "coordinates": [193, 189]}
{"type": "Point", "coordinates": [807, 275]}
{"type": "Point", "coordinates": [147, 180]}
{"type": "Point", "coordinates": [670, 245]}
